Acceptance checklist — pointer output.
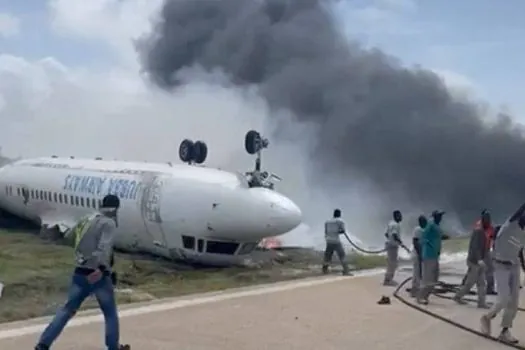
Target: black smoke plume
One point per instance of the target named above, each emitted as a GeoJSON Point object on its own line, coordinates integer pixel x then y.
{"type": "Point", "coordinates": [398, 127]}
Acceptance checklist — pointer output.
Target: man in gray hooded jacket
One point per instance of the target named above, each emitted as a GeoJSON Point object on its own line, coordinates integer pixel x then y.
{"type": "Point", "coordinates": [93, 241]}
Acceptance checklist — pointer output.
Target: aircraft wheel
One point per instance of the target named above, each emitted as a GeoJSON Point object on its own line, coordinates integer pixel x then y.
{"type": "Point", "coordinates": [200, 152]}
{"type": "Point", "coordinates": [186, 150]}
{"type": "Point", "coordinates": [252, 142]}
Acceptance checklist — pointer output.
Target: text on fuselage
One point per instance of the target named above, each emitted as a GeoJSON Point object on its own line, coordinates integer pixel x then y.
{"type": "Point", "coordinates": [102, 185]}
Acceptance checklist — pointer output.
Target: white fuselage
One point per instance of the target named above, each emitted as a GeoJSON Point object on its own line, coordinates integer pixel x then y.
{"type": "Point", "coordinates": [176, 211]}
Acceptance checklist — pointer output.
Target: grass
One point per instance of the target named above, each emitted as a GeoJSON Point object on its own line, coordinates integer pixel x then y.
{"type": "Point", "coordinates": [36, 274]}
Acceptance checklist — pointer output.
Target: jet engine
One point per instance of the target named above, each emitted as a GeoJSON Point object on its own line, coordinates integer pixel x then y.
{"type": "Point", "coordinates": [193, 152]}
{"type": "Point", "coordinates": [254, 143]}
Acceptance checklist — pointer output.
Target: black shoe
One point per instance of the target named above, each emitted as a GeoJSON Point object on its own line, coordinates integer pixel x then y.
{"type": "Point", "coordinates": [124, 347]}
{"type": "Point", "coordinates": [384, 300]}
{"type": "Point", "coordinates": [492, 292]}
{"type": "Point", "coordinates": [41, 347]}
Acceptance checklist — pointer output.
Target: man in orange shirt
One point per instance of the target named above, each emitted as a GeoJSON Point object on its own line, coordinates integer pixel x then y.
{"type": "Point", "coordinates": [485, 223]}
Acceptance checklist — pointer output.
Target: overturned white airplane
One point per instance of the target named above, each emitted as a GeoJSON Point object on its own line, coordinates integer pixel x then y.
{"type": "Point", "coordinates": [182, 212]}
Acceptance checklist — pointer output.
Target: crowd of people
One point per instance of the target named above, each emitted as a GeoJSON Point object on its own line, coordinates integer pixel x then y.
{"type": "Point", "coordinates": [494, 257]}
{"type": "Point", "coordinates": [493, 261]}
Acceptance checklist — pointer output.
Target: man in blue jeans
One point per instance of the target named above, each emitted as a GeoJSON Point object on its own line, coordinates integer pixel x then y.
{"type": "Point", "coordinates": [93, 237]}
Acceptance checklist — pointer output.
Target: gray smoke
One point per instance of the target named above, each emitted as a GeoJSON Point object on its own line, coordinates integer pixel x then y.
{"type": "Point", "coordinates": [397, 127]}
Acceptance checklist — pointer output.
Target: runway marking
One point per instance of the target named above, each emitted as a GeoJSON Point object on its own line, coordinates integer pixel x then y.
{"type": "Point", "coordinates": [198, 300]}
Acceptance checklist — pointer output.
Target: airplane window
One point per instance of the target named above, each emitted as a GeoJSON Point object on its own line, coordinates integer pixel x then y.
{"type": "Point", "coordinates": [44, 197]}
{"type": "Point", "coordinates": [81, 201]}
{"type": "Point", "coordinates": [99, 203]}
{"type": "Point", "coordinates": [18, 191]}
{"type": "Point", "coordinates": [60, 197]}
{"type": "Point", "coordinates": [94, 203]}
{"type": "Point", "coordinates": [188, 242]}
{"type": "Point", "coordinates": [65, 199]}
{"type": "Point", "coordinates": [37, 194]}
{"type": "Point", "coordinates": [55, 197]}
{"type": "Point", "coordinates": [32, 193]}
{"type": "Point", "coordinates": [77, 201]}
{"type": "Point", "coordinates": [72, 200]}
{"type": "Point", "coordinates": [49, 196]}
{"type": "Point", "coordinates": [41, 194]}
{"type": "Point", "coordinates": [227, 248]}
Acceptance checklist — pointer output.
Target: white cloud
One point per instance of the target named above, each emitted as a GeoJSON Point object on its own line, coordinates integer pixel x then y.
{"type": "Point", "coordinates": [112, 22]}
{"type": "Point", "coordinates": [458, 83]}
{"type": "Point", "coordinates": [9, 25]}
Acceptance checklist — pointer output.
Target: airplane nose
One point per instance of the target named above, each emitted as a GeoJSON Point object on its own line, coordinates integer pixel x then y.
{"type": "Point", "coordinates": [281, 214]}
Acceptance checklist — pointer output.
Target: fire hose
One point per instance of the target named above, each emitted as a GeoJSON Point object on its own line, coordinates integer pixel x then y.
{"type": "Point", "coordinates": [441, 289]}
{"type": "Point", "coordinates": [362, 250]}
{"type": "Point", "coordinates": [366, 251]}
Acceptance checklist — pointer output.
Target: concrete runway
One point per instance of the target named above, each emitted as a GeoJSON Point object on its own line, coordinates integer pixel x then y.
{"type": "Point", "coordinates": [323, 313]}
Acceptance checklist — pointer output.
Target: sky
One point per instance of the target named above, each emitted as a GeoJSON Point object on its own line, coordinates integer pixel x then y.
{"type": "Point", "coordinates": [71, 82]}
{"type": "Point", "coordinates": [476, 45]}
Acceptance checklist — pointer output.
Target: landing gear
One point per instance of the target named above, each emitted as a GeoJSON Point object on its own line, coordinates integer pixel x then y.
{"type": "Point", "coordinates": [254, 143]}
{"type": "Point", "coordinates": [186, 151]}
{"type": "Point", "coordinates": [193, 152]}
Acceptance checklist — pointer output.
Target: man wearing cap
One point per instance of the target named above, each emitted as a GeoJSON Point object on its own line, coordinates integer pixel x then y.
{"type": "Point", "coordinates": [430, 251]}
{"type": "Point", "coordinates": [93, 236]}
{"type": "Point", "coordinates": [508, 243]}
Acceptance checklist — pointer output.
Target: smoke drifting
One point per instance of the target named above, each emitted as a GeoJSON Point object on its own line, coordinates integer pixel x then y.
{"type": "Point", "coordinates": [398, 129]}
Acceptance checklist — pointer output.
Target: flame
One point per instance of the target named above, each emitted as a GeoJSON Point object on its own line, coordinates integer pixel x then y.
{"type": "Point", "coordinates": [270, 243]}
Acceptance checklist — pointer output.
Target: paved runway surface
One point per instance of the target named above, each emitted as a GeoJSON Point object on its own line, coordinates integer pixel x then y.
{"type": "Point", "coordinates": [334, 313]}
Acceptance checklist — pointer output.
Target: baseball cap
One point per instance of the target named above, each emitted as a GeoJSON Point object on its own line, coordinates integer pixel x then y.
{"type": "Point", "coordinates": [437, 213]}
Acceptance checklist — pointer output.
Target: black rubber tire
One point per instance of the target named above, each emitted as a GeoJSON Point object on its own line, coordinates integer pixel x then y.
{"type": "Point", "coordinates": [187, 150]}
{"type": "Point", "coordinates": [200, 152]}
{"type": "Point", "coordinates": [252, 142]}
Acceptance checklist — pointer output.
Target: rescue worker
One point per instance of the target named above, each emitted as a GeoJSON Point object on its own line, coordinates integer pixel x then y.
{"type": "Point", "coordinates": [486, 223]}
{"type": "Point", "coordinates": [489, 265]}
{"type": "Point", "coordinates": [476, 258]}
{"type": "Point", "coordinates": [93, 236]}
{"type": "Point", "coordinates": [431, 239]}
{"type": "Point", "coordinates": [508, 243]}
{"type": "Point", "coordinates": [393, 242]}
{"type": "Point", "coordinates": [333, 229]}
{"type": "Point", "coordinates": [416, 256]}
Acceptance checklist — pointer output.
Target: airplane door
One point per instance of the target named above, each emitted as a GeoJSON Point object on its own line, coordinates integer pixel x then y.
{"type": "Point", "coordinates": [150, 211]}
{"type": "Point", "coordinates": [25, 202]}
